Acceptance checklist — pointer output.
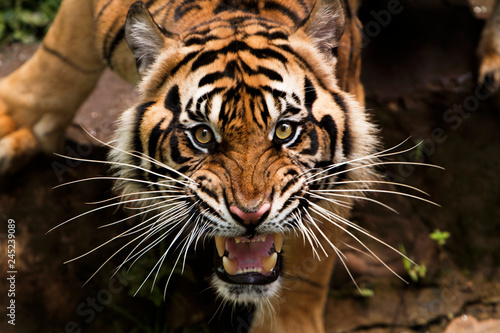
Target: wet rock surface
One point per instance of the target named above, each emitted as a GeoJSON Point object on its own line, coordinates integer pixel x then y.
{"type": "Point", "coordinates": [419, 72]}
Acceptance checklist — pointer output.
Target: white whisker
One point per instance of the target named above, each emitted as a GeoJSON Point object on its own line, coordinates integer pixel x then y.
{"type": "Point", "coordinates": [377, 155]}
{"type": "Point", "coordinates": [339, 203]}
{"type": "Point", "coordinates": [116, 237]}
{"type": "Point", "coordinates": [145, 206]}
{"type": "Point", "coordinates": [326, 213]}
{"type": "Point", "coordinates": [367, 166]}
{"type": "Point", "coordinates": [118, 178]}
{"type": "Point", "coordinates": [144, 157]}
{"type": "Point", "coordinates": [377, 182]}
{"type": "Point", "coordinates": [135, 167]}
{"type": "Point", "coordinates": [343, 258]}
{"type": "Point", "coordinates": [310, 236]}
{"type": "Point", "coordinates": [162, 258]}
{"type": "Point", "coordinates": [112, 256]}
{"type": "Point", "coordinates": [143, 213]}
{"type": "Point", "coordinates": [133, 194]}
{"type": "Point", "coordinates": [322, 197]}
{"type": "Point", "coordinates": [336, 191]}
{"type": "Point", "coordinates": [313, 223]}
{"type": "Point", "coordinates": [156, 227]}
{"type": "Point", "coordinates": [170, 214]}
{"type": "Point", "coordinates": [104, 207]}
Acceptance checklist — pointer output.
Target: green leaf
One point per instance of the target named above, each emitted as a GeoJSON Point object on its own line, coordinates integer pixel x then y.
{"type": "Point", "coordinates": [406, 263]}
{"type": "Point", "coordinates": [366, 292]}
{"type": "Point", "coordinates": [440, 236]}
{"type": "Point", "coordinates": [422, 271]}
{"type": "Point", "coordinates": [25, 20]}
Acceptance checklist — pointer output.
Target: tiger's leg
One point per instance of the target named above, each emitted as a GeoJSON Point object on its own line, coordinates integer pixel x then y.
{"type": "Point", "coordinates": [300, 304]}
{"type": "Point", "coordinates": [489, 50]}
{"type": "Point", "coordinates": [39, 99]}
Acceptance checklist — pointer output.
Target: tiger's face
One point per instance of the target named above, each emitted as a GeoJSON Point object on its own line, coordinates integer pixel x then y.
{"type": "Point", "coordinates": [240, 123]}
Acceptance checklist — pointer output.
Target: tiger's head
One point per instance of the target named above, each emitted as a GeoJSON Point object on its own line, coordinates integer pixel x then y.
{"type": "Point", "coordinates": [240, 126]}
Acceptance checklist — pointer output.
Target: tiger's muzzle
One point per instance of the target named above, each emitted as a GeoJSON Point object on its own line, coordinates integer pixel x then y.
{"type": "Point", "coordinates": [242, 260]}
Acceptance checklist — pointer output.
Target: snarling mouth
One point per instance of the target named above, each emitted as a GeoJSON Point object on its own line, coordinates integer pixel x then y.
{"type": "Point", "coordinates": [241, 260]}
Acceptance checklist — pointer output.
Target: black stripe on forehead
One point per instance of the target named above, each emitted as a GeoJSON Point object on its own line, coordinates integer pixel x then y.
{"type": "Point", "coordinates": [229, 105]}
{"type": "Point", "coordinates": [271, 5]}
{"type": "Point", "coordinates": [234, 67]}
{"type": "Point", "coordinates": [233, 109]}
{"type": "Point", "coordinates": [199, 40]}
{"type": "Point", "coordinates": [208, 97]}
{"type": "Point", "coordinates": [184, 8]}
{"type": "Point", "coordinates": [185, 60]}
{"type": "Point", "coordinates": [273, 35]}
{"type": "Point", "coordinates": [208, 57]}
{"type": "Point", "coordinates": [258, 106]}
{"type": "Point", "coordinates": [269, 28]}
{"type": "Point", "coordinates": [229, 72]}
{"type": "Point", "coordinates": [277, 94]}
{"type": "Point", "coordinates": [271, 74]}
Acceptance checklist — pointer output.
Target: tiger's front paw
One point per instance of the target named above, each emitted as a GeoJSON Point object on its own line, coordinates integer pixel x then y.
{"type": "Point", "coordinates": [21, 138]}
{"type": "Point", "coordinates": [17, 145]}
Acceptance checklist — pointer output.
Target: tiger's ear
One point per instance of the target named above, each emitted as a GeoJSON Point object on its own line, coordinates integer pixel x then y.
{"type": "Point", "coordinates": [325, 25]}
{"type": "Point", "coordinates": [145, 38]}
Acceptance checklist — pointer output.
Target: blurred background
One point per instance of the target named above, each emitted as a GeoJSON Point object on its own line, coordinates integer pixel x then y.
{"type": "Point", "coordinates": [420, 78]}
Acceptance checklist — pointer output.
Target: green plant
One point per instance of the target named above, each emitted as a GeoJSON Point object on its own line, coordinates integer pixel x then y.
{"type": "Point", "coordinates": [440, 237]}
{"type": "Point", "coordinates": [419, 151]}
{"type": "Point", "coordinates": [25, 21]}
{"type": "Point", "coordinates": [366, 292]}
{"type": "Point", "coordinates": [416, 272]}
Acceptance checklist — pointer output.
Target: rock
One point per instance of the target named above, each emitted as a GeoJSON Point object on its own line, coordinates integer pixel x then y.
{"type": "Point", "coordinates": [468, 324]}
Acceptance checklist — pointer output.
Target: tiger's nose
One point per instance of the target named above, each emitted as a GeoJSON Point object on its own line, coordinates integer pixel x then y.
{"type": "Point", "coordinates": [250, 218]}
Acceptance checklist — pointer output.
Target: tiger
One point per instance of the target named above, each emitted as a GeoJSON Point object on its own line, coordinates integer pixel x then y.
{"type": "Point", "coordinates": [250, 131]}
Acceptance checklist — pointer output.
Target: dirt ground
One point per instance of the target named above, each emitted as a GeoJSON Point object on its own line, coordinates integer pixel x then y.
{"type": "Point", "coordinates": [419, 72]}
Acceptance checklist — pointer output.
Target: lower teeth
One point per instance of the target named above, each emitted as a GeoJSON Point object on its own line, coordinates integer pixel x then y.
{"type": "Point", "coordinates": [230, 265]}
{"type": "Point", "coordinates": [249, 270]}
{"type": "Point", "coordinates": [268, 263]}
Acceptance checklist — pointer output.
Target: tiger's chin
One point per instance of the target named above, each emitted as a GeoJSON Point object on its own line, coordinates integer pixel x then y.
{"type": "Point", "coordinates": [248, 270]}
{"type": "Point", "coordinates": [246, 294]}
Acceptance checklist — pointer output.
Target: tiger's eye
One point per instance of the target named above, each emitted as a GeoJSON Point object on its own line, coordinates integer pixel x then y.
{"type": "Point", "coordinates": [203, 135]}
{"type": "Point", "coordinates": [284, 131]}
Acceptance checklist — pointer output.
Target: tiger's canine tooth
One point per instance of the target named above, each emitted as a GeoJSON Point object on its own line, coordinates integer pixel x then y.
{"type": "Point", "coordinates": [230, 265]}
{"type": "Point", "coordinates": [220, 244]}
{"type": "Point", "coordinates": [278, 242]}
{"type": "Point", "coordinates": [269, 262]}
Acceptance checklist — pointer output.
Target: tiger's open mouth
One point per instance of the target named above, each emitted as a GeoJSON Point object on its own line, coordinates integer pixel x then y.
{"type": "Point", "coordinates": [240, 260]}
